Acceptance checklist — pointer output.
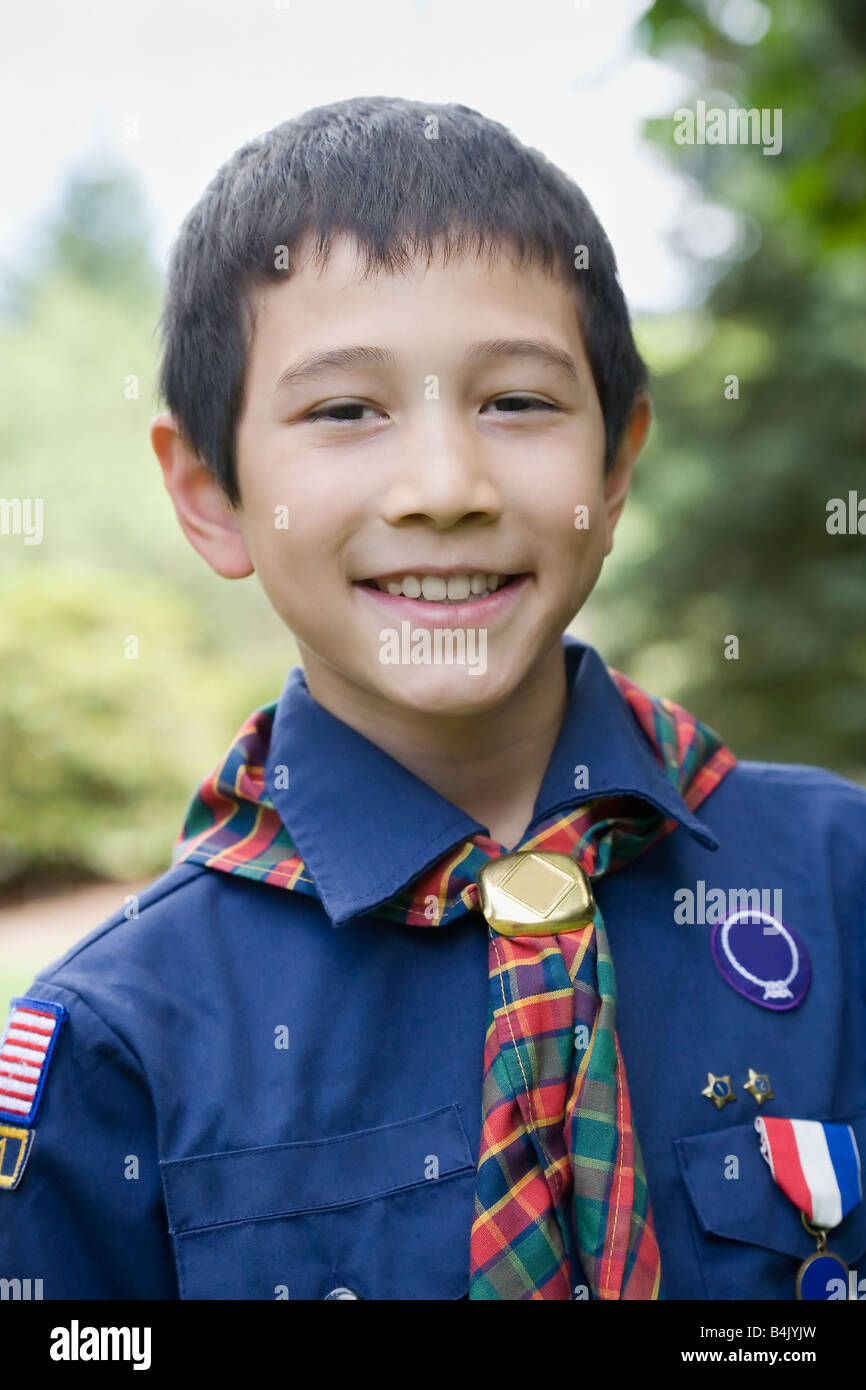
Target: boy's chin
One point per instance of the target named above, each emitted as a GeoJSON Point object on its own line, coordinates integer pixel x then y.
{"type": "Point", "coordinates": [444, 690]}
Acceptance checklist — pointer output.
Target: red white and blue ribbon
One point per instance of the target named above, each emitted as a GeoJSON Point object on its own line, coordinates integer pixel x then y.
{"type": "Point", "coordinates": [816, 1164]}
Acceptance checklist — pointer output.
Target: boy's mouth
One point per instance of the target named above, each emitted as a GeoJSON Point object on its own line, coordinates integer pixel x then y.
{"type": "Point", "coordinates": [436, 600]}
{"type": "Point", "coordinates": [445, 587]}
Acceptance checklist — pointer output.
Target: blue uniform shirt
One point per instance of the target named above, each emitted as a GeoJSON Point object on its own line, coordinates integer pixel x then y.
{"type": "Point", "coordinates": [259, 1095]}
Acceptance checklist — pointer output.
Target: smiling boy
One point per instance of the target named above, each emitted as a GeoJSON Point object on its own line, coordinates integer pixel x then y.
{"type": "Point", "coordinates": [364, 1039]}
{"type": "Point", "coordinates": [382, 481]}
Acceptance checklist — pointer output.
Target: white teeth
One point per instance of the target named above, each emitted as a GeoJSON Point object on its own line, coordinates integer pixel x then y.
{"type": "Point", "coordinates": [432, 587]}
{"type": "Point", "coordinates": [458, 586]}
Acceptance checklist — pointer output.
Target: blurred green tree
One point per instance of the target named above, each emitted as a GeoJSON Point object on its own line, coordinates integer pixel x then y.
{"type": "Point", "coordinates": [101, 752]}
{"type": "Point", "coordinates": [101, 233]}
{"type": "Point", "coordinates": [726, 529]}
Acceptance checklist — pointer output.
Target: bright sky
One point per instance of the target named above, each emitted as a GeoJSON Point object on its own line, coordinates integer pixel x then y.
{"type": "Point", "coordinates": [197, 80]}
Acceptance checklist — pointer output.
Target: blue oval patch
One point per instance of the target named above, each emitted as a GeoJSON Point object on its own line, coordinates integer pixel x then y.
{"type": "Point", "coordinates": [762, 958]}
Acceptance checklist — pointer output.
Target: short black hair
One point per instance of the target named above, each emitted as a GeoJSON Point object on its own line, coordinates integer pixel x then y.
{"type": "Point", "coordinates": [367, 167]}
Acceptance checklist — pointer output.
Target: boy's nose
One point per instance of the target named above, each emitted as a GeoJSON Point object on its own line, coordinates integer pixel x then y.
{"type": "Point", "coordinates": [444, 476]}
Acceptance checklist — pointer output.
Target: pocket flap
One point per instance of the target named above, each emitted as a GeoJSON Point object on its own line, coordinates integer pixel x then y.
{"type": "Point", "coordinates": [750, 1206]}
{"type": "Point", "coordinates": [283, 1179]}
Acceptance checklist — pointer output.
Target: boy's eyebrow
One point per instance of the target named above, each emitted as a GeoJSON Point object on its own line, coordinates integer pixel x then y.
{"type": "Point", "coordinates": [544, 352]}
{"type": "Point", "coordinates": [314, 364]}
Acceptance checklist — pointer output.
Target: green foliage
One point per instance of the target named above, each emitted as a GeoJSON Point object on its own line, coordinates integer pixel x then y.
{"type": "Point", "coordinates": [101, 741]}
{"type": "Point", "coordinates": [100, 753]}
{"type": "Point", "coordinates": [725, 531]}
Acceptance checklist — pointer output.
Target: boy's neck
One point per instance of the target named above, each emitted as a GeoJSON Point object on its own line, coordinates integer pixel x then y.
{"type": "Point", "coordinates": [491, 765]}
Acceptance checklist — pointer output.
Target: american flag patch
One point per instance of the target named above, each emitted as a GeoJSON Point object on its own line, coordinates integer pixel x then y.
{"type": "Point", "coordinates": [28, 1041]}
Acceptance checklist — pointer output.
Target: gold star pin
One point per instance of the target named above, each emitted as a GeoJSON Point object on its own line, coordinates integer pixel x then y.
{"type": "Point", "coordinates": [718, 1090]}
{"type": "Point", "coordinates": [759, 1086]}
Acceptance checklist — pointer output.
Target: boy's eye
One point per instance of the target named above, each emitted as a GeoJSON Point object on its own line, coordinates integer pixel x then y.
{"type": "Point", "coordinates": [532, 402]}
{"type": "Point", "coordinates": [331, 412]}
{"type": "Point", "coordinates": [514, 404]}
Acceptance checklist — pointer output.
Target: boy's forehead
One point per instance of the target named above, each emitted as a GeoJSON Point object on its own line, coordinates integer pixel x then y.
{"type": "Point", "coordinates": [428, 303]}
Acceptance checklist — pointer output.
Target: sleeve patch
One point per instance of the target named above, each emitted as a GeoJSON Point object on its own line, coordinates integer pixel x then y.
{"type": "Point", "coordinates": [15, 1146]}
{"type": "Point", "coordinates": [28, 1041]}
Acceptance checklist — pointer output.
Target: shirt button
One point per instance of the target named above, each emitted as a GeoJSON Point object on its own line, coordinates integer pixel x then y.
{"type": "Point", "coordinates": [342, 1293]}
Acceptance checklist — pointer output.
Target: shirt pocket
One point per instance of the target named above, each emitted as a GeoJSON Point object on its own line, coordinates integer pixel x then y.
{"type": "Point", "coordinates": [382, 1213]}
{"type": "Point", "coordinates": [749, 1236]}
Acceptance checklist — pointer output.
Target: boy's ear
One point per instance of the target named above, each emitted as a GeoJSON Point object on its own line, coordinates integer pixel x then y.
{"type": "Point", "coordinates": [618, 480]}
{"type": "Point", "coordinates": [206, 516]}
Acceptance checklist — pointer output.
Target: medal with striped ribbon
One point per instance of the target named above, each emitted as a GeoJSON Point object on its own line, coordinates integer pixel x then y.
{"type": "Point", "coordinates": [817, 1165]}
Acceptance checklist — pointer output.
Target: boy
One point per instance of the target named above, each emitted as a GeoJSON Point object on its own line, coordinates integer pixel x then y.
{"type": "Point", "coordinates": [364, 1039]}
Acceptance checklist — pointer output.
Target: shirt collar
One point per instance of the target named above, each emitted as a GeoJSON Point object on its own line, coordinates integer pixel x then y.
{"type": "Point", "coordinates": [366, 827]}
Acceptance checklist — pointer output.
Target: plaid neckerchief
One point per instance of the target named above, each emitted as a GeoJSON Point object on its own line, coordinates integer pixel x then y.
{"type": "Point", "coordinates": [559, 1162]}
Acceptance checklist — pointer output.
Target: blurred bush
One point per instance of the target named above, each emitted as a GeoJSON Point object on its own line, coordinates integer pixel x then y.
{"type": "Point", "coordinates": [115, 711]}
{"type": "Point", "coordinates": [101, 753]}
